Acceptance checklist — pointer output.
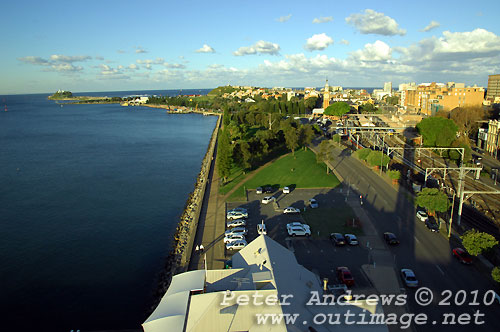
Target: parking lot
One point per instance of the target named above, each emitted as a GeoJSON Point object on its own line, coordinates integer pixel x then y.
{"type": "Point", "coordinates": [316, 253]}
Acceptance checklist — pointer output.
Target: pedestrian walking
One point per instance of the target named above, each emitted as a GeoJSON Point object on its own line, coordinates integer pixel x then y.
{"type": "Point", "coordinates": [201, 248]}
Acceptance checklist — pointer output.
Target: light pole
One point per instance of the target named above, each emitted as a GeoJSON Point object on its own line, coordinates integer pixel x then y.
{"type": "Point", "coordinates": [451, 218]}
{"type": "Point", "coordinates": [382, 155]}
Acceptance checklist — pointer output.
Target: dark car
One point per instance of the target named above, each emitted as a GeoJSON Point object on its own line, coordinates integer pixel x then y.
{"type": "Point", "coordinates": [432, 226]}
{"type": "Point", "coordinates": [268, 190]}
{"type": "Point", "coordinates": [345, 276]}
{"type": "Point", "coordinates": [462, 256]}
{"type": "Point", "coordinates": [337, 239]}
{"type": "Point", "coordinates": [391, 238]}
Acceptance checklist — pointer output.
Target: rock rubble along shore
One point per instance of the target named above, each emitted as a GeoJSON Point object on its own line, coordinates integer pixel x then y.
{"type": "Point", "coordinates": [186, 228]}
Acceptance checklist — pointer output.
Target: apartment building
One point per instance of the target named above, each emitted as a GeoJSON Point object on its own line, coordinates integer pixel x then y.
{"type": "Point", "coordinates": [429, 98]}
{"type": "Point", "coordinates": [493, 93]}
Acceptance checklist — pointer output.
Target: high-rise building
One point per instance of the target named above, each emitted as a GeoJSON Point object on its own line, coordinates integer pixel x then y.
{"type": "Point", "coordinates": [388, 87]}
{"type": "Point", "coordinates": [326, 96]}
{"type": "Point", "coordinates": [493, 87]}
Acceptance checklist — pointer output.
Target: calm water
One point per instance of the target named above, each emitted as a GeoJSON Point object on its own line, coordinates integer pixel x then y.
{"type": "Point", "coordinates": [89, 199]}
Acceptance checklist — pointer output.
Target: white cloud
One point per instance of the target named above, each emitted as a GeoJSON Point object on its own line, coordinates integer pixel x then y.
{"type": "Point", "coordinates": [174, 65]}
{"type": "Point", "coordinates": [378, 51]}
{"type": "Point", "coordinates": [139, 49]}
{"type": "Point", "coordinates": [157, 61]}
{"type": "Point", "coordinates": [260, 47]}
{"type": "Point", "coordinates": [431, 26]}
{"type": "Point", "coordinates": [318, 42]}
{"type": "Point", "coordinates": [323, 19]}
{"type": "Point", "coordinates": [344, 42]}
{"type": "Point", "coordinates": [108, 72]}
{"type": "Point", "coordinates": [205, 49]}
{"type": "Point", "coordinates": [133, 66]}
{"type": "Point", "coordinates": [284, 18]}
{"type": "Point", "coordinates": [57, 62]}
{"type": "Point", "coordinates": [372, 22]}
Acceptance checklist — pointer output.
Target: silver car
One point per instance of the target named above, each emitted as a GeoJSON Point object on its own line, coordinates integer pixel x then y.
{"type": "Point", "coordinates": [238, 244]}
{"type": "Point", "coordinates": [233, 237]}
{"type": "Point", "coordinates": [409, 278]}
{"type": "Point", "coordinates": [236, 223]}
{"type": "Point", "coordinates": [236, 230]}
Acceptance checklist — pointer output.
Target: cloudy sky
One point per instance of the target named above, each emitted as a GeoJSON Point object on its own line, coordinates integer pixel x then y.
{"type": "Point", "coordinates": [110, 45]}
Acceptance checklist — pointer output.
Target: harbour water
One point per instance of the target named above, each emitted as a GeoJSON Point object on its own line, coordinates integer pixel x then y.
{"type": "Point", "coordinates": [90, 196]}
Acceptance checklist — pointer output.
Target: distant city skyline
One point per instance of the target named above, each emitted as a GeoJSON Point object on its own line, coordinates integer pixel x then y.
{"type": "Point", "coordinates": [150, 45]}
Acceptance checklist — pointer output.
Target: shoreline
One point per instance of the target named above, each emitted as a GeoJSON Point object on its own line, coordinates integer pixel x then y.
{"type": "Point", "coordinates": [178, 258]}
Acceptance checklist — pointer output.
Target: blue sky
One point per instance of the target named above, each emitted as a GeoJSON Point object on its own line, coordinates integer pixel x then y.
{"type": "Point", "coordinates": [112, 45]}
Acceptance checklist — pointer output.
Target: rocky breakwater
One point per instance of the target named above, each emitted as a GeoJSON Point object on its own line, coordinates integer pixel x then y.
{"type": "Point", "coordinates": [182, 246]}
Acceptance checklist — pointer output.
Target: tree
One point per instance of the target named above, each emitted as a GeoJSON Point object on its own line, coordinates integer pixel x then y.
{"type": "Point", "coordinates": [337, 109]}
{"type": "Point", "coordinates": [394, 174]}
{"type": "Point", "coordinates": [476, 242]}
{"type": "Point", "coordinates": [433, 200]}
{"type": "Point", "coordinates": [336, 138]}
{"type": "Point", "coordinates": [226, 117]}
{"type": "Point", "coordinates": [224, 155]}
{"type": "Point", "coordinates": [378, 158]}
{"type": "Point", "coordinates": [467, 119]}
{"type": "Point", "coordinates": [362, 154]}
{"type": "Point", "coordinates": [306, 135]}
{"type": "Point", "coordinates": [246, 155]}
{"type": "Point", "coordinates": [291, 138]}
{"type": "Point", "coordinates": [495, 273]}
{"type": "Point", "coordinates": [437, 131]}
{"type": "Point", "coordinates": [392, 100]}
{"type": "Point", "coordinates": [367, 108]}
{"type": "Point", "coordinates": [323, 154]}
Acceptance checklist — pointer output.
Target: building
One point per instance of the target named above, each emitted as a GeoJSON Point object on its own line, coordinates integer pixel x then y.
{"type": "Point", "coordinates": [326, 96]}
{"type": "Point", "coordinates": [388, 88]}
{"type": "Point", "coordinates": [429, 98]}
{"type": "Point", "coordinates": [493, 88]}
{"type": "Point", "coordinates": [492, 139]}
{"type": "Point", "coordinates": [265, 279]}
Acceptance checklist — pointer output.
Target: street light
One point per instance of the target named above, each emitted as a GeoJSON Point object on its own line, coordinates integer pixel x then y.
{"type": "Point", "coordinates": [452, 206]}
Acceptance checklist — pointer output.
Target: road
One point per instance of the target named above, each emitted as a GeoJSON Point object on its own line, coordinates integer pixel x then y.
{"type": "Point", "coordinates": [427, 254]}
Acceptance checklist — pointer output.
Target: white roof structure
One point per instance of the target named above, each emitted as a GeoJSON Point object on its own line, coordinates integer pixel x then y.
{"type": "Point", "coordinates": [318, 111]}
{"type": "Point", "coordinates": [211, 300]}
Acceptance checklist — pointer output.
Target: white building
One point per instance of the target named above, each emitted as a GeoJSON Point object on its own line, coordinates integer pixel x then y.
{"type": "Point", "coordinates": [388, 87]}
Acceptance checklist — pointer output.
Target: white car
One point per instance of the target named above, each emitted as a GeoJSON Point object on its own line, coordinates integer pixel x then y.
{"type": "Point", "coordinates": [294, 230]}
{"type": "Point", "coordinates": [291, 209]}
{"type": "Point", "coordinates": [236, 223]}
{"type": "Point", "coordinates": [298, 224]}
{"type": "Point", "coordinates": [313, 203]}
{"type": "Point", "coordinates": [409, 278]}
{"type": "Point", "coordinates": [268, 199]}
{"type": "Point", "coordinates": [286, 190]}
{"type": "Point", "coordinates": [233, 237]}
{"type": "Point", "coordinates": [236, 215]}
{"type": "Point", "coordinates": [422, 215]}
{"type": "Point", "coordinates": [261, 229]}
{"type": "Point", "coordinates": [238, 244]}
{"type": "Point", "coordinates": [351, 239]}
{"type": "Point", "coordinates": [236, 230]}
{"type": "Point", "coordinates": [258, 190]}
{"type": "Point", "coordinates": [238, 209]}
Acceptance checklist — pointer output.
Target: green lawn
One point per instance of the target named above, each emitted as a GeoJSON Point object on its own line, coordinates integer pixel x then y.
{"type": "Point", "coordinates": [233, 179]}
{"type": "Point", "coordinates": [331, 220]}
{"type": "Point", "coordinates": [299, 171]}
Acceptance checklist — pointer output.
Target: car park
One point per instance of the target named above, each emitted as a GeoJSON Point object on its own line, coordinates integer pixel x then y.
{"type": "Point", "coordinates": [351, 239]}
{"type": "Point", "coordinates": [422, 215]}
{"type": "Point", "coordinates": [233, 237]}
{"type": "Point", "coordinates": [337, 239]}
{"type": "Point", "coordinates": [268, 199]}
{"type": "Point", "coordinates": [236, 223]}
{"type": "Point", "coordinates": [390, 238]}
{"type": "Point", "coordinates": [236, 215]}
{"type": "Point", "coordinates": [432, 226]}
{"type": "Point", "coordinates": [259, 190]}
{"type": "Point", "coordinates": [235, 245]}
{"type": "Point", "coordinates": [462, 256]}
{"type": "Point", "coordinates": [236, 230]}
{"type": "Point", "coordinates": [313, 203]}
{"type": "Point", "coordinates": [286, 190]}
{"type": "Point", "coordinates": [409, 278]}
{"type": "Point", "coordinates": [291, 209]}
{"type": "Point", "coordinates": [298, 229]}
{"type": "Point", "coordinates": [261, 229]}
{"type": "Point", "coordinates": [345, 276]}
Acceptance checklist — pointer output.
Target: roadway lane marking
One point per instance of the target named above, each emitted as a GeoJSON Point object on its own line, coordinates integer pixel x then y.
{"type": "Point", "coordinates": [416, 239]}
{"type": "Point", "coordinates": [440, 269]}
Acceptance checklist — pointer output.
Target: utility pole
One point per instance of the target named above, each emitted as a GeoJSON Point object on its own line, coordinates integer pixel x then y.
{"type": "Point", "coordinates": [382, 155]}
{"type": "Point", "coordinates": [451, 218]}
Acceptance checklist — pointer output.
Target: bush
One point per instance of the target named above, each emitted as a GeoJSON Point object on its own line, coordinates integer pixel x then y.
{"type": "Point", "coordinates": [362, 154]}
{"type": "Point", "coordinates": [394, 174]}
{"type": "Point", "coordinates": [378, 158]}
{"type": "Point", "coordinates": [476, 242]}
{"type": "Point", "coordinates": [495, 273]}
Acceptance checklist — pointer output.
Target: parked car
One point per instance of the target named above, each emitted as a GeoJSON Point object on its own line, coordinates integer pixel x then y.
{"type": "Point", "coordinates": [291, 209]}
{"type": "Point", "coordinates": [236, 223]}
{"type": "Point", "coordinates": [432, 226]}
{"type": "Point", "coordinates": [298, 223]}
{"type": "Point", "coordinates": [297, 229]}
{"type": "Point", "coordinates": [233, 237]}
{"type": "Point", "coordinates": [286, 190]}
{"type": "Point", "coordinates": [236, 215]}
{"type": "Point", "coordinates": [236, 230]}
{"type": "Point", "coordinates": [462, 256]}
{"type": "Point", "coordinates": [239, 209]}
{"type": "Point", "coordinates": [238, 244]}
{"type": "Point", "coordinates": [268, 190]}
{"type": "Point", "coordinates": [337, 239]}
{"type": "Point", "coordinates": [261, 229]}
{"type": "Point", "coordinates": [409, 278]}
{"type": "Point", "coordinates": [422, 215]}
{"type": "Point", "coordinates": [345, 276]}
{"type": "Point", "coordinates": [351, 239]}
{"type": "Point", "coordinates": [390, 238]}
{"type": "Point", "coordinates": [268, 199]}
{"type": "Point", "coordinates": [259, 190]}
{"type": "Point", "coordinates": [313, 203]}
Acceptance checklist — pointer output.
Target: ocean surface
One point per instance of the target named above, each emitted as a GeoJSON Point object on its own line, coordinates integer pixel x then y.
{"type": "Point", "coordinates": [90, 196]}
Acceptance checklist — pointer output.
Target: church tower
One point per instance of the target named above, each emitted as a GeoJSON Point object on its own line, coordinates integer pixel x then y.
{"type": "Point", "coordinates": [326, 96]}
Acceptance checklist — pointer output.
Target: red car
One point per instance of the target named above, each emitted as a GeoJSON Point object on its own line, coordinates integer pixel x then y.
{"type": "Point", "coordinates": [345, 276]}
{"type": "Point", "coordinates": [462, 256]}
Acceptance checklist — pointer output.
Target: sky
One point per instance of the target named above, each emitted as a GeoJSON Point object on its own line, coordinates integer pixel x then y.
{"type": "Point", "coordinates": [110, 45]}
